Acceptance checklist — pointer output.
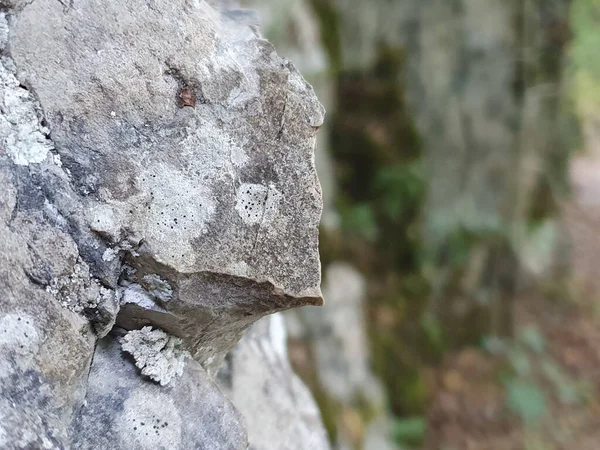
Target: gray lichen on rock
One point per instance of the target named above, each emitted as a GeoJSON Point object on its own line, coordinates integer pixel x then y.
{"type": "Point", "coordinates": [77, 290]}
{"type": "Point", "coordinates": [155, 353]}
{"type": "Point", "coordinates": [22, 134]}
{"type": "Point", "coordinates": [172, 179]}
{"type": "Point", "coordinates": [157, 287]}
{"type": "Point", "coordinates": [120, 216]}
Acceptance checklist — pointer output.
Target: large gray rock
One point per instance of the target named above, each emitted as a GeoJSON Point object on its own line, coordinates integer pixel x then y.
{"type": "Point", "coordinates": [196, 150]}
{"type": "Point", "coordinates": [156, 169]}
{"type": "Point", "coordinates": [45, 349]}
{"type": "Point", "coordinates": [279, 410]}
{"type": "Point", "coordinates": [124, 411]}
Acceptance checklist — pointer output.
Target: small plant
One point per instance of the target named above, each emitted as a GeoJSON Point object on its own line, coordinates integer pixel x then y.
{"type": "Point", "coordinates": [409, 431]}
{"type": "Point", "coordinates": [534, 377]}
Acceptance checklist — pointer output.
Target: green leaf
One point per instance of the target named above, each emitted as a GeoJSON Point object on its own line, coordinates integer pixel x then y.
{"type": "Point", "coordinates": [410, 430]}
{"type": "Point", "coordinates": [361, 220]}
{"type": "Point", "coordinates": [494, 345]}
{"type": "Point", "coordinates": [566, 390]}
{"type": "Point", "coordinates": [526, 400]}
{"type": "Point", "coordinates": [520, 361]}
{"type": "Point", "coordinates": [533, 338]}
{"type": "Point", "coordinates": [398, 187]}
{"type": "Point", "coordinates": [432, 329]}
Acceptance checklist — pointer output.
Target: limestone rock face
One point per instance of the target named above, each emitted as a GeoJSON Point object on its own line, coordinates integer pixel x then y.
{"type": "Point", "coordinates": [195, 151]}
{"type": "Point", "coordinates": [279, 410]}
{"type": "Point", "coordinates": [123, 411]}
{"type": "Point", "coordinates": [156, 170]}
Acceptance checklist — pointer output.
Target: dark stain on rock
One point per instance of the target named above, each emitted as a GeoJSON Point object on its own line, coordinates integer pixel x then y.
{"type": "Point", "coordinates": [186, 97]}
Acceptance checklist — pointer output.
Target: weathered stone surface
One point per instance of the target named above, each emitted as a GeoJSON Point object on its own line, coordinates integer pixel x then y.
{"type": "Point", "coordinates": [126, 411]}
{"type": "Point", "coordinates": [45, 349]}
{"type": "Point", "coordinates": [221, 195]}
{"type": "Point", "coordinates": [279, 410]}
{"type": "Point", "coordinates": [293, 27]}
{"type": "Point", "coordinates": [156, 169]}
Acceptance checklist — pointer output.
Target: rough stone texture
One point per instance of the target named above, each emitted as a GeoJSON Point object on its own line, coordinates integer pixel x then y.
{"type": "Point", "coordinates": [294, 29]}
{"type": "Point", "coordinates": [45, 349]}
{"type": "Point", "coordinates": [279, 410]}
{"type": "Point", "coordinates": [221, 196]}
{"type": "Point", "coordinates": [156, 169]}
{"type": "Point", "coordinates": [124, 411]}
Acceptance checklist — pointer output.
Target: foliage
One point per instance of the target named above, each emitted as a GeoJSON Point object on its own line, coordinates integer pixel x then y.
{"type": "Point", "coordinates": [535, 378]}
{"type": "Point", "coordinates": [585, 23]}
{"type": "Point", "coordinates": [409, 430]}
{"type": "Point", "coordinates": [416, 287]}
{"type": "Point", "coordinates": [526, 400]}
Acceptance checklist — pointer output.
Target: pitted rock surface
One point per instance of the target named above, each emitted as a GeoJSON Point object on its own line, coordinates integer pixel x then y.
{"type": "Point", "coordinates": [220, 194]}
{"type": "Point", "coordinates": [156, 169]}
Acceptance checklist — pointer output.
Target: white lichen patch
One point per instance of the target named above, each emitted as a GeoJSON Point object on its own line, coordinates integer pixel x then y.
{"type": "Point", "coordinates": [220, 149]}
{"type": "Point", "coordinates": [19, 342]}
{"type": "Point", "coordinates": [136, 294]}
{"type": "Point", "coordinates": [272, 204]}
{"type": "Point", "coordinates": [105, 219]}
{"type": "Point", "coordinates": [178, 209]}
{"type": "Point", "coordinates": [157, 287]}
{"type": "Point", "coordinates": [78, 290]}
{"type": "Point", "coordinates": [257, 203]}
{"type": "Point", "coordinates": [239, 268]}
{"type": "Point", "coordinates": [109, 254]}
{"type": "Point", "coordinates": [21, 133]}
{"type": "Point", "coordinates": [156, 353]}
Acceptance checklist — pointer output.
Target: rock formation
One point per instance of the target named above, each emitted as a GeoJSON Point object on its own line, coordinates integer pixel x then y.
{"type": "Point", "coordinates": [159, 196]}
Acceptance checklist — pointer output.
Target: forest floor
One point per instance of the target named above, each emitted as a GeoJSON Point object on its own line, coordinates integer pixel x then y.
{"type": "Point", "coordinates": [541, 391]}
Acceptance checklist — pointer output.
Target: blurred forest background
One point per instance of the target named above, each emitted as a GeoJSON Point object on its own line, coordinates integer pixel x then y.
{"type": "Point", "coordinates": [460, 164]}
